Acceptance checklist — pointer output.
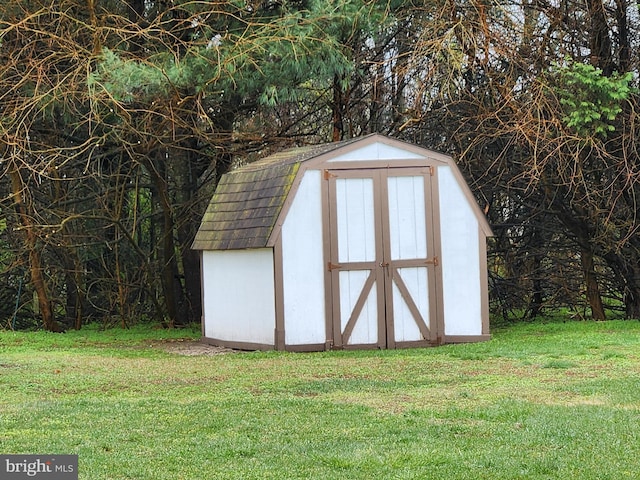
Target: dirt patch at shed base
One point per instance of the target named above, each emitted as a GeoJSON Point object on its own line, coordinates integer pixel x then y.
{"type": "Point", "coordinates": [192, 348]}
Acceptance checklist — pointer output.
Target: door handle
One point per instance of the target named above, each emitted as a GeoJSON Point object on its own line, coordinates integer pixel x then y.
{"type": "Point", "coordinates": [384, 264]}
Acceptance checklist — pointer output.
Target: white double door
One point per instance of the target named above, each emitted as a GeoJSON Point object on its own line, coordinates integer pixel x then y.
{"type": "Point", "coordinates": [382, 260]}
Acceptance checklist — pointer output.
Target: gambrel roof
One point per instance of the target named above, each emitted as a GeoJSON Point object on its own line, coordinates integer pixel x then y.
{"type": "Point", "coordinates": [247, 201]}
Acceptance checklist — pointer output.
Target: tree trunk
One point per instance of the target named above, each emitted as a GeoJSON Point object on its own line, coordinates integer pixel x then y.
{"type": "Point", "coordinates": [624, 48]}
{"type": "Point", "coordinates": [599, 39]}
{"type": "Point", "coordinates": [593, 290]}
{"type": "Point", "coordinates": [537, 297]}
{"type": "Point", "coordinates": [75, 299]}
{"type": "Point", "coordinates": [338, 110]}
{"type": "Point", "coordinates": [35, 260]}
{"type": "Point", "coordinates": [185, 175]}
{"type": "Point", "coordinates": [168, 259]}
{"type": "Point", "coordinates": [632, 302]}
{"type": "Point", "coordinates": [123, 310]}
{"type": "Point", "coordinates": [626, 268]}
{"type": "Point", "coordinates": [576, 219]}
{"type": "Point", "coordinates": [631, 293]}
{"type": "Point", "coordinates": [171, 287]}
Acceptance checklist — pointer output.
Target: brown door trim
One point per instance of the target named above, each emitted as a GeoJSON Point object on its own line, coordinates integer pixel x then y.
{"type": "Point", "coordinates": [384, 271]}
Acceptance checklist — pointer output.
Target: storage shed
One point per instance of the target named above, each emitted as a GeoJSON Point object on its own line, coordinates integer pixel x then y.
{"type": "Point", "coordinates": [365, 243]}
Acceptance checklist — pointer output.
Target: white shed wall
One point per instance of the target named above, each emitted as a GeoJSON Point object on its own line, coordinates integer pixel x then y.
{"type": "Point", "coordinates": [376, 151]}
{"type": "Point", "coordinates": [239, 295]}
{"type": "Point", "coordinates": [303, 265]}
{"type": "Point", "coordinates": [460, 258]}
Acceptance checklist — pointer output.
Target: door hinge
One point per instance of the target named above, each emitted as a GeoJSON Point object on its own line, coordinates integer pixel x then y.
{"type": "Point", "coordinates": [332, 266]}
{"type": "Point", "coordinates": [328, 175]}
{"type": "Point", "coordinates": [432, 170]}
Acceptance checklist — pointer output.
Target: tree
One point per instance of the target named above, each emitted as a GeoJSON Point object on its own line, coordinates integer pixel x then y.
{"type": "Point", "coordinates": [527, 96]}
{"type": "Point", "coordinates": [118, 117]}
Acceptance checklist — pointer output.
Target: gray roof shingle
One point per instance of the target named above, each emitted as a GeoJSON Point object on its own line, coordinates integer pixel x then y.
{"type": "Point", "coordinates": [247, 201]}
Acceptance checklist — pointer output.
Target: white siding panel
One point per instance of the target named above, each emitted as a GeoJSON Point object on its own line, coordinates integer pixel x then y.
{"type": "Point", "coordinates": [376, 151]}
{"type": "Point", "coordinates": [239, 298]}
{"type": "Point", "coordinates": [460, 258]}
{"type": "Point", "coordinates": [407, 217]}
{"type": "Point", "coordinates": [365, 330]}
{"type": "Point", "coordinates": [404, 325]}
{"type": "Point", "coordinates": [356, 221]}
{"type": "Point", "coordinates": [303, 265]}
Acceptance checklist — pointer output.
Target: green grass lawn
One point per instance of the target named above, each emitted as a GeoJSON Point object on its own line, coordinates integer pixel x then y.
{"type": "Point", "coordinates": [539, 401]}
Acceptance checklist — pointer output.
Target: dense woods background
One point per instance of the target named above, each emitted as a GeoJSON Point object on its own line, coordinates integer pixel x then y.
{"type": "Point", "coordinates": [117, 117]}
